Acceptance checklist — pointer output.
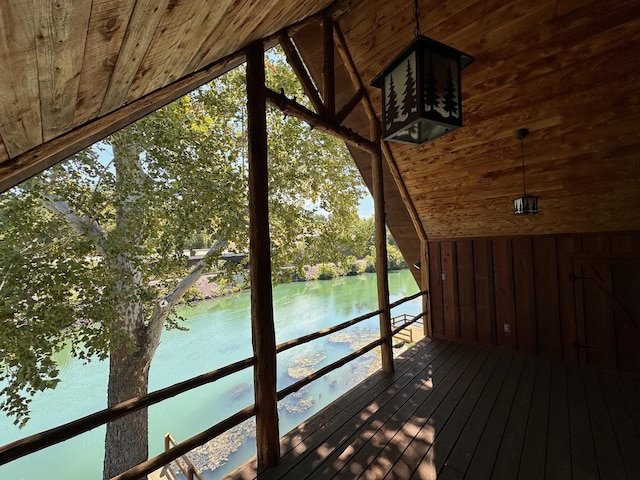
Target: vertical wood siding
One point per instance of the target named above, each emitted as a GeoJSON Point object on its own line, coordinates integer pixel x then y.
{"type": "Point", "coordinates": [542, 296]}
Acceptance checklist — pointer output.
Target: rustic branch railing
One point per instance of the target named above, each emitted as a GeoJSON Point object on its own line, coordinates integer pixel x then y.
{"type": "Point", "coordinates": [33, 443]}
{"type": "Point", "coordinates": [38, 441]}
{"type": "Point", "coordinates": [406, 299]}
{"type": "Point", "coordinates": [325, 331]}
{"type": "Point", "coordinates": [329, 368]}
{"type": "Point", "coordinates": [151, 465]}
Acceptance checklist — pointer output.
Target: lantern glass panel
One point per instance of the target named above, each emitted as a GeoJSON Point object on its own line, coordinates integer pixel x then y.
{"type": "Point", "coordinates": [525, 205]}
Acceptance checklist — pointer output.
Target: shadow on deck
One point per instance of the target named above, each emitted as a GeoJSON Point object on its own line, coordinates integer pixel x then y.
{"type": "Point", "coordinates": [453, 411]}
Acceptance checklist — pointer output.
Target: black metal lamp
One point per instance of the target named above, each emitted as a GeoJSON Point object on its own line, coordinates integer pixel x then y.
{"type": "Point", "coordinates": [526, 204]}
{"type": "Point", "coordinates": [421, 90]}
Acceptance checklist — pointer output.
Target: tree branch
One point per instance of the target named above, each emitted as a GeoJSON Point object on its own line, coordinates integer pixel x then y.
{"type": "Point", "coordinates": [165, 304]}
{"type": "Point", "coordinates": [81, 224]}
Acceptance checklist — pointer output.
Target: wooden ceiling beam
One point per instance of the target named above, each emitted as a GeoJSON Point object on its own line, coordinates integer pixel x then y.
{"type": "Point", "coordinates": [301, 72]}
{"type": "Point", "coordinates": [290, 107]}
{"type": "Point", "coordinates": [349, 106]}
{"type": "Point", "coordinates": [328, 67]}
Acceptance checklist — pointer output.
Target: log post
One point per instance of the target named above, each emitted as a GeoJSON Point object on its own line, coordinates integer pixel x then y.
{"type": "Point", "coordinates": [262, 326]}
{"type": "Point", "coordinates": [424, 286]}
{"type": "Point", "coordinates": [381, 253]}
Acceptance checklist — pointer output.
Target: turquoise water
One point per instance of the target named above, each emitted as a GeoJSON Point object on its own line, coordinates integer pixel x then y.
{"type": "Point", "coordinates": [219, 334]}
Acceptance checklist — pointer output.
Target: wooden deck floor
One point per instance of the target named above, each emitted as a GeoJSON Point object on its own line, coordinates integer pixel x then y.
{"type": "Point", "coordinates": [452, 411]}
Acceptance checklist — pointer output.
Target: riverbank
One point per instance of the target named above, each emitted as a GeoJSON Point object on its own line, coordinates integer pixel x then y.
{"type": "Point", "coordinates": [207, 288]}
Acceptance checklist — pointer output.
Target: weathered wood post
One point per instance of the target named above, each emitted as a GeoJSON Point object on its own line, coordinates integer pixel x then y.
{"type": "Point", "coordinates": [424, 286]}
{"type": "Point", "coordinates": [262, 326]}
{"type": "Point", "coordinates": [381, 252]}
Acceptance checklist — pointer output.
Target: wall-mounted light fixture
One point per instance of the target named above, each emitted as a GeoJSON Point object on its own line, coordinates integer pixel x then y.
{"type": "Point", "coordinates": [526, 204]}
{"type": "Point", "coordinates": [421, 90]}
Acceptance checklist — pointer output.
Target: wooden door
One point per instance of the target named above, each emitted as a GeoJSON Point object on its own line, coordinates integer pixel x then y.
{"type": "Point", "coordinates": [607, 294]}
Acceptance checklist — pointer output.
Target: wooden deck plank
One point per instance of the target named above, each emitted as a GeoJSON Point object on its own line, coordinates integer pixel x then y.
{"type": "Point", "coordinates": [626, 433]}
{"type": "Point", "coordinates": [450, 432]}
{"type": "Point", "coordinates": [631, 391]}
{"type": "Point", "coordinates": [583, 455]}
{"type": "Point", "coordinates": [389, 441]}
{"type": "Point", "coordinates": [342, 455]}
{"type": "Point", "coordinates": [462, 452]}
{"type": "Point", "coordinates": [394, 439]}
{"type": "Point", "coordinates": [453, 411]}
{"type": "Point", "coordinates": [425, 438]}
{"type": "Point", "coordinates": [303, 459]}
{"type": "Point", "coordinates": [534, 451]}
{"type": "Point", "coordinates": [483, 459]}
{"type": "Point", "coordinates": [316, 431]}
{"type": "Point", "coordinates": [508, 459]}
{"type": "Point", "coordinates": [418, 429]}
{"type": "Point", "coordinates": [610, 461]}
{"type": "Point", "coordinates": [558, 465]}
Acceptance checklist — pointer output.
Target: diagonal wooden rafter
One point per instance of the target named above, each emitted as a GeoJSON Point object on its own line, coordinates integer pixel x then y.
{"type": "Point", "coordinates": [319, 122]}
{"type": "Point", "coordinates": [328, 67]}
{"type": "Point", "coordinates": [341, 46]}
{"type": "Point", "coordinates": [298, 67]}
{"type": "Point", "coordinates": [349, 106]}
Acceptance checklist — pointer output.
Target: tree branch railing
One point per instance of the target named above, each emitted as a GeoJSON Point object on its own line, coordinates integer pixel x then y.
{"type": "Point", "coordinates": [47, 438]}
{"type": "Point", "coordinates": [407, 299]}
{"type": "Point", "coordinates": [325, 331]}
{"type": "Point", "coordinates": [329, 368]}
{"type": "Point", "coordinates": [182, 448]}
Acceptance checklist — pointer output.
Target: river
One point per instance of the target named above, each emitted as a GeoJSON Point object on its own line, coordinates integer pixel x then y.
{"type": "Point", "coordinates": [219, 334]}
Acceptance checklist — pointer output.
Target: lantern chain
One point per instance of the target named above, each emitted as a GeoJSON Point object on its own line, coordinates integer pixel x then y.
{"type": "Point", "coordinates": [524, 180]}
{"type": "Point", "coordinates": [416, 14]}
{"type": "Point", "coordinates": [521, 134]}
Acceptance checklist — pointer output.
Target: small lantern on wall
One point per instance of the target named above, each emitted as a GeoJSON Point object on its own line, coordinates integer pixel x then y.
{"type": "Point", "coordinates": [526, 204]}
{"type": "Point", "coordinates": [421, 90]}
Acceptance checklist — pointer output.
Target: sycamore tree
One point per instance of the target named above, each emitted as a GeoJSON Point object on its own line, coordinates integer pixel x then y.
{"type": "Point", "coordinates": [91, 251]}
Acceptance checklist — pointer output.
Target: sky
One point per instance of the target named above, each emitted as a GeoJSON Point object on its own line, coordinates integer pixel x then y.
{"type": "Point", "coordinates": [365, 209]}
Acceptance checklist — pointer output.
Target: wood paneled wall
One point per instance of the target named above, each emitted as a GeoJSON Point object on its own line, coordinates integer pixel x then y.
{"type": "Point", "coordinates": [533, 295]}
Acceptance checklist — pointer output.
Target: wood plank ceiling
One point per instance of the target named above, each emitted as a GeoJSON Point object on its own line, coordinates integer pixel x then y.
{"type": "Point", "coordinates": [568, 71]}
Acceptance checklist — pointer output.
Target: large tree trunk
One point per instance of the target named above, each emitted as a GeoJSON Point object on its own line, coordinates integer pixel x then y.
{"type": "Point", "coordinates": [126, 441]}
{"type": "Point", "coordinates": [131, 349]}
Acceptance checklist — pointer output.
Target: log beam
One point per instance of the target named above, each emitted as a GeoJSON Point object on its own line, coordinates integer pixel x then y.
{"type": "Point", "coordinates": [290, 107]}
{"type": "Point", "coordinates": [381, 255]}
{"type": "Point", "coordinates": [349, 106]}
{"type": "Point", "coordinates": [328, 68]}
{"type": "Point", "coordinates": [262, 325]}
{"type": "Point", "coordinates": [425, 287]}
{"type": "Point", "coordinates": [297, 65]}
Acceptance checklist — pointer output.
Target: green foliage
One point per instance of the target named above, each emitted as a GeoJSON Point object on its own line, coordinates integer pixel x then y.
{"type": "Point", "coordinates": [102, 234]}
{"type": "Point", "coordinates": [351, 266]}
{"type": "Point", "coordinates": [370, 262]}
{"type": "Point", "coordinates": [395, 261]}
{"type": "Point", "coordinates": [326, 271]}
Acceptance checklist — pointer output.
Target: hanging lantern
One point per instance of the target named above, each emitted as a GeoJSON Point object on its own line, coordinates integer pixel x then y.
{"type": "Point", "coordinates": [526, 204]}
{"type": "Point", "coordinates": [421, 91]}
